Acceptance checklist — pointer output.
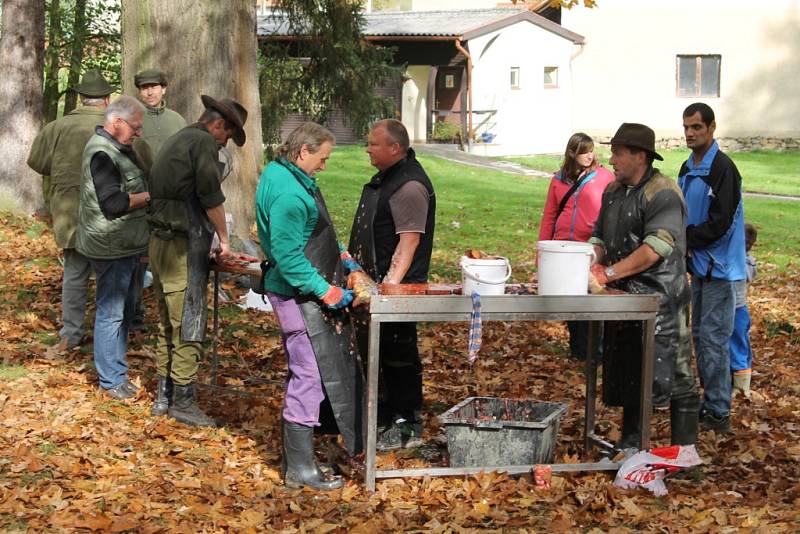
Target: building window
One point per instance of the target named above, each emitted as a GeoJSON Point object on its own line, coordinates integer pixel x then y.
{"type": "Point", "coordinates": [550, 77]}
{"type": "Point", "coordinates": [698, 75]}
{"type": "Point", "coordinates": [515, 77]}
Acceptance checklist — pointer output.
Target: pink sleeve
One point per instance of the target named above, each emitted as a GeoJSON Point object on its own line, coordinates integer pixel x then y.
{"type": "Point", "coordinates": [547, 225]}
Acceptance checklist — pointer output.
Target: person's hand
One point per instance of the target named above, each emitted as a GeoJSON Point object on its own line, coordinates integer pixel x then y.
{"type": "Point", "coordinates": [599, 273]}
{"type": "Point", "coordinates": [350, 265]}
{"type": "Point", "coordinates": [223, 252]}
{"type": "Point", "coordinates": [363, 287]}
{"type": "Point", "coordinates": [337, 298]}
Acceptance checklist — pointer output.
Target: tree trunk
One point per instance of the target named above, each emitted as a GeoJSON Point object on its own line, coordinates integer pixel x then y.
{"type": "Point", "coordinates": [76, 54]}
{"type": "Point", "coordinates": [51, 94]}
{"type": "Point", "coordinates": [203, 47]}
{"type": "Point", "coordinates": [22, 65]}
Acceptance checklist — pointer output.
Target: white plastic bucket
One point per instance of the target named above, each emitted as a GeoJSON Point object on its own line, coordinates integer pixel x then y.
{"type": "Point", "coordinates": [484, 276]}
{"type": "Point", "coordinates": [564, 267]}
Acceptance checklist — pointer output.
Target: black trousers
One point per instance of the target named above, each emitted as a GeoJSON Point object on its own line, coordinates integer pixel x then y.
{"type": "Point", "coordinates": [579, 340]}
{"type": "Point", "coordinates": [400, 368]}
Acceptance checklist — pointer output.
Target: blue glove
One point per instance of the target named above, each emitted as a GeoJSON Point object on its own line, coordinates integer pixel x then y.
{"type": "Point", "coordinates": [350, 265]}
{"type": "Point", "coordinates": [337, 298]}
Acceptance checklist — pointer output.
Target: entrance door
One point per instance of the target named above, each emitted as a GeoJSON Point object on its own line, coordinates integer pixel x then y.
{"type": "Point", "coordinates": [447, 97]}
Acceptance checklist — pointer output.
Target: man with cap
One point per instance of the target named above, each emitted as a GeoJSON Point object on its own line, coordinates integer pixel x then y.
{"type": "Point", "coordinates": [159, 124]}
{"type": "Point", "coordinates": [640, 246]}
{"type": "Point", "coordinates": [186, 210]}
{"type": "Point", "coordinates": [717, 258]}
{"type": "Point", "coordinates": [57, 153]}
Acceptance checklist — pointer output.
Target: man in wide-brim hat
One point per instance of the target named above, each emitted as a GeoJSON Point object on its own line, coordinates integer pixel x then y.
{"type": "Point", "coordinates": [186, 209]}
{"type": "Point", "coordinates": [57, 153]}
{"type": "Point", "coordinates": [640, 245]}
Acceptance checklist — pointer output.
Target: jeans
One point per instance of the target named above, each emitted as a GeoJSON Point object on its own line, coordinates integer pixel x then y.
{"type": "Point", "coordinates": [713, 307]}
{"type": "Point", "coordinates": [115, 297]}
{"type": "Point", "coordinates": [74, 290]}
{"type": "Point", "coordinates": [741, 351]}
{"type": "Point", "coordinates": [138, 309]}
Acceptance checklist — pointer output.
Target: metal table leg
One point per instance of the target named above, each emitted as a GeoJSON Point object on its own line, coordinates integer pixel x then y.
{"type": "Point", "coordinates": [215, 335]}
{"type": "Point", "coordinates": [648, 349]}
{"type": "Point", "coordinates": [591, 388]}
{"type": "Point", "coordinates": [372, 400]}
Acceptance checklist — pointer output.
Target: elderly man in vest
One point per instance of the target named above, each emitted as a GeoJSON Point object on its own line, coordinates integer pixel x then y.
{"type": "Point", "coordinates": [112, 233]}
{"type": "Point", "coordinates": [159, 123]}
{"type": "Point", "coordinates": [187, 209]}
{"type": "Point", "coordinates": [57, 152]}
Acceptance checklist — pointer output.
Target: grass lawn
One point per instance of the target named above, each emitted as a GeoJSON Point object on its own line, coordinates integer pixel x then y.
{"type": "Point", "coordinates": [500, 213]}
{"type": "Point", "coordinates": [762, 172]}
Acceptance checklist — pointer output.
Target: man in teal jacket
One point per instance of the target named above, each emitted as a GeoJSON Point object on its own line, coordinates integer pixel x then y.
{"type": "Point", "coordinates": [305, 289]}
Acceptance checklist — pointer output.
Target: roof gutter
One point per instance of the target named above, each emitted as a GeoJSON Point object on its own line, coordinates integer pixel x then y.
{"type": "Point", "coordinates": [463, 50]}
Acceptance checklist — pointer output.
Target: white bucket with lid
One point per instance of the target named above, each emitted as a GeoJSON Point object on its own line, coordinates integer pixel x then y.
{"type": "Point", "coordinates": [484, 276]}
{"type": "Point", "coordinates": [564, 267]}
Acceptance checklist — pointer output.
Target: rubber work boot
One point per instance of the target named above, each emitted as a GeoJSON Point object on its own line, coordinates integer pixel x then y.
{"type": "Point", "coordinates": [683, 420]}
{"type": "Point", "coordinates": [631, 428]}
{"type": "Point", "coordinates": [163, 394]}
{"type": "Point", "coordinates": [184, 408]}
{"type": "Point", "coordinates": [299, 465]}
{"type": "Point", "coordinates": [741, 383]}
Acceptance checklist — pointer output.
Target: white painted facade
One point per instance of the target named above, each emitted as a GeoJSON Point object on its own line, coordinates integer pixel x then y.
{"type": "Point", "coordinates": [531, 118]}
{"type": "Point", "coordinates": [414, 107]}
{"type": "Point", "coordinates": [627, 69]}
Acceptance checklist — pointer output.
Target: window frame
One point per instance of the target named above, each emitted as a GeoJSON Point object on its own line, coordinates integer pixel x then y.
{"type": "Point", "coordinates": [515, 82]}
{"type": "Point", "coordinates": [553, 69]}
{"type": "Point", "coordinates": [698, 75]}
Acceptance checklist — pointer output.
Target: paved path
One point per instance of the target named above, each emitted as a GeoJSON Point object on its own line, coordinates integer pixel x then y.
{"type": "Point", "coordinates": [452, 153]}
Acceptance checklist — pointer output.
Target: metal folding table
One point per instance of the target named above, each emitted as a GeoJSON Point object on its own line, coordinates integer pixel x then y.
{"type": "Point", "coordinates": [451, 308]}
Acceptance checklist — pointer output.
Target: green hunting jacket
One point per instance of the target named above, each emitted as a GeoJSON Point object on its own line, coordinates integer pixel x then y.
{"type": "Point", "coordinates": [159, 124]}
{"type": "Point", "coordinates": [186, 167]}
{"type": "Point", "coordinates": [57, 152]}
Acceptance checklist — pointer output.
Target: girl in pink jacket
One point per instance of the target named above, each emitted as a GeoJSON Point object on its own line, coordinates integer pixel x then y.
{"type": "Point", "coordinates": [586, 179]}
{"type": "Point", "coordinates": [571, 209]}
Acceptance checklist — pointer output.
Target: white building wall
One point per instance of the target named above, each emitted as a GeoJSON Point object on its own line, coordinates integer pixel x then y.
{"type": "Point", "coordinates": [627, 70]}
{"type": "Point", "coordinates": [532, 119]}
{"type": "Point", "coordinates": [414, 102]}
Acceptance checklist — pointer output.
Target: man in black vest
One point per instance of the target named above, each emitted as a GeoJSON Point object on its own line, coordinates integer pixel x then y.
{"type": "Point", "coordinates": [392, 239]}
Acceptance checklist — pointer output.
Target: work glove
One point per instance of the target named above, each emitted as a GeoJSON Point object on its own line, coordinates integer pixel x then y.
{"type": "Point", "coordinates": [337, 298]}
{"type": "Point", "coordinates": [350, 265]}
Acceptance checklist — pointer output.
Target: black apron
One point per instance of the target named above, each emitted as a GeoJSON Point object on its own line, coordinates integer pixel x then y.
{"type": "Point", "coordinates": [331, 335]}
{"type": "Point", "coordinates": [195, 299]}
{"type": "Point", "coordinates": [200, 235]}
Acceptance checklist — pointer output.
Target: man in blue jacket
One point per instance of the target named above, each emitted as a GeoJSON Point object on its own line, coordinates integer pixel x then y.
{"type": "Point", "coordinates": [712, 188]}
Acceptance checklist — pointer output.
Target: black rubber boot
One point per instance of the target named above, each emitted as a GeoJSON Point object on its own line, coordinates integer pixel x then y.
{"type": "Point", "coordinates": [184, 408]}
{"type": "Point", "coordinates": [683, 419]}
{"type": "Point", "coordinates": [631, 427]}
{"type": "Point", "coordinates": [299, 466]}
{"type": "Point", "coordinates": [163, 394]}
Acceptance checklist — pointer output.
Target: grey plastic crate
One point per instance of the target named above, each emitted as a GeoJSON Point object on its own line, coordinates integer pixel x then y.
{"type": "Point", "coordinates": [487, 431]}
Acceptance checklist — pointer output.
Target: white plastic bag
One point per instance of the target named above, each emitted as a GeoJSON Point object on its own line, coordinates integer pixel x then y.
{"type": "Point", "coordinates": [649, 468]}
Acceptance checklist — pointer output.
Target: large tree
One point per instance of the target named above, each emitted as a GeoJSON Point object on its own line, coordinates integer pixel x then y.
{"type": "Point", "coordinates": [22, 68]}
{"type": "Point", "coordinates": [319, 62]}
{"type": "Point", "coordinates": [204, 47]}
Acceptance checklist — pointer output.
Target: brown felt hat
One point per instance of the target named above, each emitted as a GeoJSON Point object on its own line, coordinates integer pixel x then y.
{"type": "Point", "coordinates": [233, 112]}
{"type": "Point", "coordinates": [150, 77]}
{"type": "Point", "coordinates": [93, 85]}
{"type": "Point", "coordinates": [636, 135]}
